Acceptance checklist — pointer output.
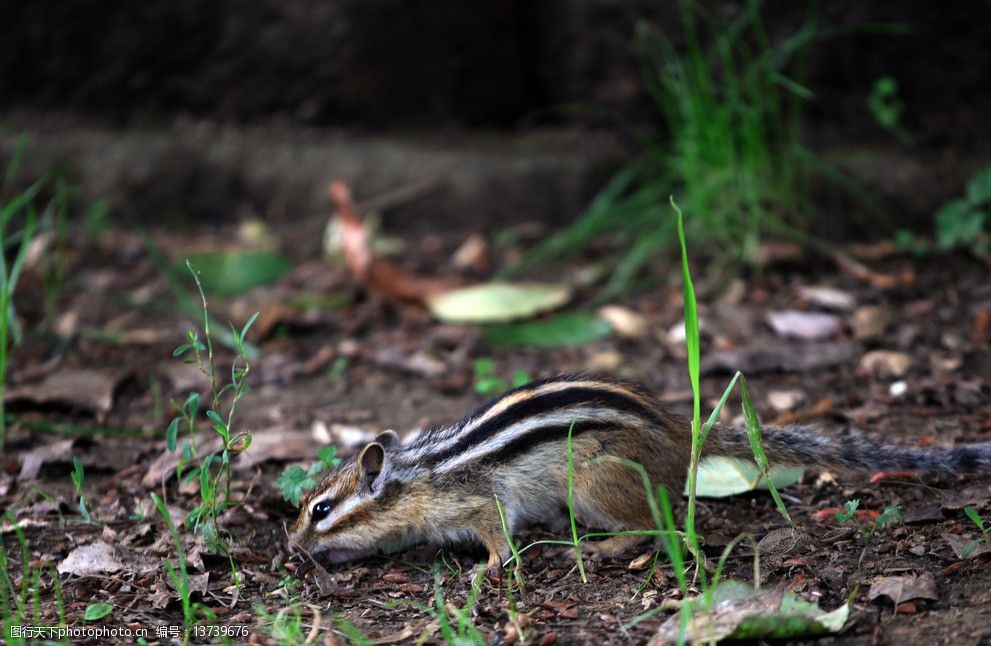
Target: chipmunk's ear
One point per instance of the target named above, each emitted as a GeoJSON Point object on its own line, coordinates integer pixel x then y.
{"type": "Point", "coordinates": [388, 439]}
{"type": "Point", "coordinates": [372, 461]}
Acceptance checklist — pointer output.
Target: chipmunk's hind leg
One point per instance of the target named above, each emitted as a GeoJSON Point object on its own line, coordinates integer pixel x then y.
{"type": "Point", "coordinates": [611, 496]}
{"type": "Point", "coordinates": [616, 546]}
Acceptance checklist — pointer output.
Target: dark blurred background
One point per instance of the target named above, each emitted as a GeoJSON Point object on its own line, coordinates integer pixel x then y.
{"type": "Point", "coordinates": [215, 108]}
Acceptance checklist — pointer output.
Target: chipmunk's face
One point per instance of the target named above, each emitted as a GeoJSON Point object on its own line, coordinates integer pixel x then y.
{"type": "Point", "coordinates": [342, 519]}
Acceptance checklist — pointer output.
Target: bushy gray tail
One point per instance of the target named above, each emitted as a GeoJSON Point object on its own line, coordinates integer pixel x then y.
{"type": "Point", "coordinates": [800, 446]}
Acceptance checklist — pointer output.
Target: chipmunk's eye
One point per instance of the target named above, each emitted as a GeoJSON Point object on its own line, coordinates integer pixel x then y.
{"type": "Point", "coordinates": [321, 510]}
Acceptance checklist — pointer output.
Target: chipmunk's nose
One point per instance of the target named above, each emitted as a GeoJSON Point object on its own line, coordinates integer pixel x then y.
{"type": "Point", "coordinates": [295, 539]}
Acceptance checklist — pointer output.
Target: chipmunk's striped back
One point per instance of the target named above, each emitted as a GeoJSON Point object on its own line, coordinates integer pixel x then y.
{"type": "Point", "coordinates": [543, 411]}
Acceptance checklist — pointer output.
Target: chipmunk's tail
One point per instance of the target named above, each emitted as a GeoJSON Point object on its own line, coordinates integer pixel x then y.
{"type": "Point", "coordinates": [799, 446]}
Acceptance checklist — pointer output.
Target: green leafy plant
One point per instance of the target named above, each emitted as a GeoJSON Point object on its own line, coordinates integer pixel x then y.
{"type": "Point", "coordinates": [964, 222]}
{"type": "Point", "coordinates": [295, 481]}
{"type": "Point", "coordinates": [78, 477]}
{"type": "Point", "coordinates": [732, 115]}
{"type": "Point", "coordinates": [886, 107]}
{"type": "Point", "coordinates": [215, 482]}
{"type": "Point", "coordinates": [985, 533]}
{"type": "Point", "coordinates": [487, 383]}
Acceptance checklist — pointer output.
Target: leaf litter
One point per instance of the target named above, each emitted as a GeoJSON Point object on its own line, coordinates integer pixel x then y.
{"type": "Point", "coordinates": [367, 394]}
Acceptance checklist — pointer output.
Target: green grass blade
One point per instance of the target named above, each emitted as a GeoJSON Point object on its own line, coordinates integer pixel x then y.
{"type": "Point", "coordinates": [571, 505]}
{"type": "Point", "coordinates": [757, 446]}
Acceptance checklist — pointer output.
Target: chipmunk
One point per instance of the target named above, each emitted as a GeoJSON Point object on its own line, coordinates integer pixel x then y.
{"type": "Point", "coordinates": [441, 486]}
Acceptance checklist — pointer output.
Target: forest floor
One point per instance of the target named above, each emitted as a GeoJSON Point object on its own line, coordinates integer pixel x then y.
{"type": "Point", "coordinates": [94, 377]}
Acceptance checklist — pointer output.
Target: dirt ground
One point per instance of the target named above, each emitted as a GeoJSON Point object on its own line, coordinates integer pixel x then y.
{"type": "Point", "coordinates": [95, 376]}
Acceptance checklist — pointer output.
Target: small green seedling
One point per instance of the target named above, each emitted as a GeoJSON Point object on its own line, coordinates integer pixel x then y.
{"type": "Point", "coordinates": [887, 518]}
{"type": "Point", "coordinates": [296, 481]}
{"type": "Point", "coordinates": [887, 108]}
{"type": "Point", "coordinates": [337, 369]}
{"type": "Point", "coordinates": [985, 534]}
{"type": "Point", "coordinates": [487, 383]}
{"type": "Point", "coordinates": [78, 476]}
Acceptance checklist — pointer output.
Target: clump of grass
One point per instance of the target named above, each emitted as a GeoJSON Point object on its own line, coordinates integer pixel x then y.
{"type": "Point", "coordinates": [179, 576]}
{"type": "Point", "coordinates": [21, 605]}
{"type": "Point", "coordinates": [731, 109]}
{"type": "Point", "coordinates": [462, 631]}
{"type": "Point", "coordinates": [16, 209]}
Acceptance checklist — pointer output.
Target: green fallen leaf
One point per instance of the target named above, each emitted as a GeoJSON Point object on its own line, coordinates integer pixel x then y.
{"type": "Point", "coordinates": [230, 273]}
{"type": "Point", "coordinates": [720, 477]}
{"type": "Point", "coordinates": [562, 330]}
{"type": "Point", "coordinates": [739, 612]}
{"type": "Point", "coordinates": [96, 611]}
{"type": "Point", "coordinates": [498, 302]}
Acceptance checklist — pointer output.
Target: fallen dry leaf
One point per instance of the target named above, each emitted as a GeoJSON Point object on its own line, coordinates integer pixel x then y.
{"type": "Point", "coordinates": [472, 254]}
{"type": "Point", "coordinates": [885, 363]}
{"type": "Point", "coordinates": [278, 444]}
{"type": "Point", "coordinates": [448, 299]}
{"type": "Point", "coordinates": [91, 389]}
{"type": "Point", "coordinates": [810, 326]}
{"type": "Point", "coordinates": [94, 558]}
{"type": "Point", "coordinates": [419, 363]}
{"type": "Point", "coordinates": [371, 272]}
{"type": "Point", "coordinates": [162, 469]}
{"type": "Point", "coordinates": [626, 323]}
{"type": "Point", "coordinates": [904, 588]}
{"type": "Point", "coordinates": [32, 461]}
{"type": "Point", "coordinates": [641, 562]}
{"type": "Point", "coordinates": [829, 297]}
{"type": "Point", "coordinates": [740, 612]}
{"type": "Point", "coordinates": [965, 548]}
{"type": "Point", "coordinates": [821, 408]}
{"type": "Point", "coordinates": [785, 400]}
{"type": "Point", "coordinates": [870, 322]}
